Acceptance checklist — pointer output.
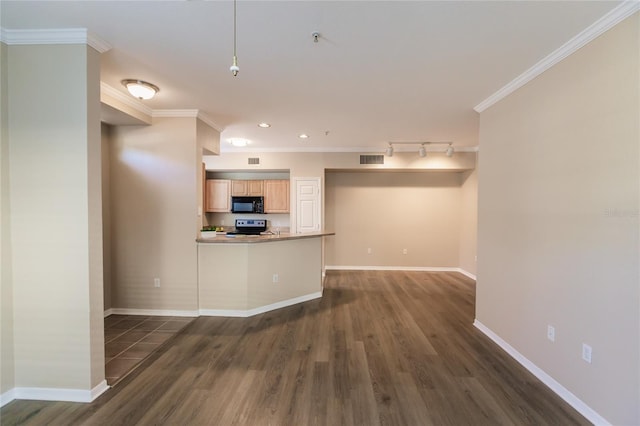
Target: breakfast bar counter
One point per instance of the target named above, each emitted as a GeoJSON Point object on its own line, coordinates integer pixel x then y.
{"type": "Point", "coordinates": [247, 275]}
{"type": "Point", "coordinates": [263, 238]}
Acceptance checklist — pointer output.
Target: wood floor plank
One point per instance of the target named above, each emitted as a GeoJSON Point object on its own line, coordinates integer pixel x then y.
{"type": "Point", "coordinates": [365, 408]}
{"type": "Point", "coordinates": [379, 348]}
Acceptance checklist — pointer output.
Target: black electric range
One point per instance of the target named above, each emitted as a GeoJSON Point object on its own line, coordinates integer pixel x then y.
{"type": "Point", "coordinates": [249, 227]}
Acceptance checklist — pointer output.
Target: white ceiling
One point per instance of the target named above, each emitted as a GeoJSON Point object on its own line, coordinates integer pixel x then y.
{"type": "Point", "coordinates": [381, 71]}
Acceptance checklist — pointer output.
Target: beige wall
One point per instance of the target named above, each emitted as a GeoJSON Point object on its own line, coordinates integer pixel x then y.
{"type": "Point", "coordinates": [389, 212]}
{"type": "Point", "coordinates": [6, 283]}
{"type": "Point", "coordinates": [297, 263]}
{"type": "Point", "coordinates": [460, 244]}
{"type": "Point", "coordinates": [155, 194]}
{"type": "Point", "coordinates": [311, 164]}
{"type": "Point", "coordinates": [54, 149]}
{"type": "Point", "coordinates": [220, 268]}
{"type": "Point", "coordinates": [469, 222]}
{"type": "Point", "coordinates": [236, 276]}
{"type": "Point", "coordinates": [95, 228]}
{"type": "Point", "coordinates": [106, 215]}
{"type": "Point", "coordinates": [208, 142]}
{"type": "Point", "coordinates": [558, 222]}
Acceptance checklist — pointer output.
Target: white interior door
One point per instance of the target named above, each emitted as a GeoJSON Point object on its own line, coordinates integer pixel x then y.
{"type": "Point", "coordinates": [308, 205]}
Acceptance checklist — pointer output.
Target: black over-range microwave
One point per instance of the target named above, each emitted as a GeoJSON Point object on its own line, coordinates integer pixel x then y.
{"type": "Point", "coordinates": [247, 204]}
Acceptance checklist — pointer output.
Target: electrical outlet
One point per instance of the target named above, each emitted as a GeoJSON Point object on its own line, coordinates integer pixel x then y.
{"type": "Point", "coordinates": [156, 282]}
{"type": "Point", "coordinates": [551, 333]}
{"type": "Point", "coordinates": [404, 251]}
{"type": "Point", "coordinates": [369, 251]}
{"type": "Point", "coordinates": [586, 352]}
{"type": "Point", "coordinates": [276, 278]}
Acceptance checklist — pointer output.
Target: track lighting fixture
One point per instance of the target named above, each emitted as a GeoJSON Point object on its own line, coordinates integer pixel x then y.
{"type": "Point", "coordinates": [389, 150]}
{"type": "Point", "coordinates": [422, 151]}
{"type": "Point", "coordinates": [449, 151]}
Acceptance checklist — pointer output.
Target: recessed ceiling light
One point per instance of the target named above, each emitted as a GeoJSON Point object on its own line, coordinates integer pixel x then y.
{"type": "Point", "coordinates": [303, 136]}
{"type": "Point", "coordinates": [264, 125]}
{"type": "Point", "coordinates": [239, 141]}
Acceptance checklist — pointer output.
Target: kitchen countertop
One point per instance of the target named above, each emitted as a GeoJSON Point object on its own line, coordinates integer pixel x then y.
{"type": "Point", "coordinates": [265, 238]}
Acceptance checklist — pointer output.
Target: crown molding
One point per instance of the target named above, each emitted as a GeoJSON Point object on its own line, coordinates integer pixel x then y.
{"type": "Point", "coordinates": [606, 22]}
{"type": "Point", "coordinates": [337, 149]}
{"type": "Point", "coordinates": [174, 113]}
{"type": "Point", "coordinates": [54, 36]}
{"type": "Point", "coordinates": [155, 113]}
{"type": "Point", "coordinates": [125, 99]}
{"type": "Point", "coordinates": [205, 118]}
{"type": "Point", "coordinates": [97, 43]}
{"type": "Point", "coordinates": [187, 113]}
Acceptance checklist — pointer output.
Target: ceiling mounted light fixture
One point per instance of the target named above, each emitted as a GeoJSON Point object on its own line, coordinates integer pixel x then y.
{"type": "Point", "coordinates": [389, 150]}
{"type": "Point", "coordinates": [264, 125]}
{"type": "Point", "coordinates": [303, 136]}
{"type": "Point", "coordinates": [140, 89]}
{"type": "Point", "coordinates": [239, 141]}
{"type": "Point", "coordinates": [449, 151]}
{"type": "Point", "coordinates": [234, 68]}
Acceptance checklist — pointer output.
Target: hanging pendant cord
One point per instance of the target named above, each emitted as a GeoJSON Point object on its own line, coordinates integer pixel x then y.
{"type": "Point", "coordinates": [234, 68]}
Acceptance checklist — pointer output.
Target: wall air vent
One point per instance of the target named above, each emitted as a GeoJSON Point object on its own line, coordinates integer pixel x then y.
{"type": "Point", "coordinates": [372, 159]}
{"type": "Point", "coordinates": [254, 160]}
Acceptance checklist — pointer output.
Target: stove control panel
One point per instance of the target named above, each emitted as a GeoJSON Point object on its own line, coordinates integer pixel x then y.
{"type": "Point", "coordinates": [251, 223]}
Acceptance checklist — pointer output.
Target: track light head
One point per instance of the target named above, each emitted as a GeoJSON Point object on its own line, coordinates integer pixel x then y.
{"type": "Point", "coordinates": [422, 151]}
{"type": "Point", "coordinates": [389, 151]}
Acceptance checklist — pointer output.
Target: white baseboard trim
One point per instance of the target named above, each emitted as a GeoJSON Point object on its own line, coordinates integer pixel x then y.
{"type": "Point", "coordinates": [261, 309]}
{"type": "Point", "coordinates": [7, 397]}
{"type": "Point", "coordinates": [108, 312]}
{"type": "Point", "coordinates": [57, 394]}
{"type": "Point", "coordinates": [392, 268]}
{"type": "Point", "coordinates": [99, 390]}
{"type": "Point", "coordinates": [467, 274]}
{"type": "Point", "coordinates": [402, 268]}
{"type": "Point", "coordinates": [556, 387]}
{"type": "Point", "coordinates": [153, 312]}
{"type": "Point", "coordinates": [217, 312]}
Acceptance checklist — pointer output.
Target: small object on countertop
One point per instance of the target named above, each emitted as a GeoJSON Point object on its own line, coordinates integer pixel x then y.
{"type": "Point", "coordinates": [230, 235]}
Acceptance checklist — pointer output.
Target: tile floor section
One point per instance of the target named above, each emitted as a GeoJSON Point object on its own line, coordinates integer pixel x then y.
{"type": "Point", "coordinates": [129, 339]}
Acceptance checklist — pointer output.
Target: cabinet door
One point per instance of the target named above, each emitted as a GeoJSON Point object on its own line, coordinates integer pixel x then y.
{"type": "Point", "coordinates": [276, 196]}
{"type": "Point", "coordinates": [239, 188]}
{"type": "Point", "coordinates": [218, 198]}
{"type": "Point", "coordinates": [255, 188]}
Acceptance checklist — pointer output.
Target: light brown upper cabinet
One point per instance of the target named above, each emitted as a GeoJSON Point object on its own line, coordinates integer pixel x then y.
{"type": "Point", "coordinates": [276, 196]}
{"type": "Point", "coordinates": [218, 197]}
{"type": "Point", "coordinates": [250, 188]}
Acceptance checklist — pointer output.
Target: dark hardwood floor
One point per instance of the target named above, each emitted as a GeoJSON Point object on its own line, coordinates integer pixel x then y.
{"type": "Point", "coordinates": [380, 348]}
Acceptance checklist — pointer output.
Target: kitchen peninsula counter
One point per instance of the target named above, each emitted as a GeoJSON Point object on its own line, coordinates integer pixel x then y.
{"type": "Point", "coordinates": [247, 275]}
{"type": "Point", "coordinates": [263, 238]}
